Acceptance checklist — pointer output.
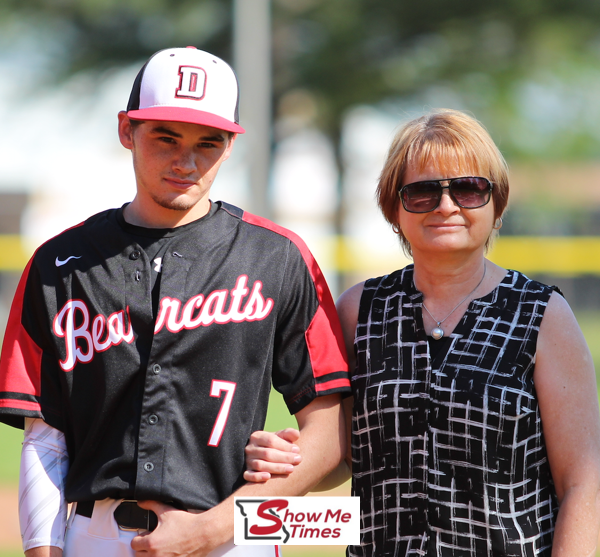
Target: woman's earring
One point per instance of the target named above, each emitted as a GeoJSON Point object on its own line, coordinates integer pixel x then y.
{"type": "Point", "coordinates": [498, 223]}
{"type": "Point", "coordinates": [396, 228]}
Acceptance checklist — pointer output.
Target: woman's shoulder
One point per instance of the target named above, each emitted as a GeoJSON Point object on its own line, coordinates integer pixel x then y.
{"type": "Point", "coordinates": [349, 300]}
{"type": "Point", "coordinates": [518, 293]}
{"type": "Point", "coordinates": [395, 279]}
{"type": "Point", "coordinates": [358, 299]}
{"type": "Point", "coordinates": [522, 285]}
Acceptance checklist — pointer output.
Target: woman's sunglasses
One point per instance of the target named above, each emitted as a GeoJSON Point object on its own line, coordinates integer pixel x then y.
{"type": "Point", "coordinates": [468, 192]}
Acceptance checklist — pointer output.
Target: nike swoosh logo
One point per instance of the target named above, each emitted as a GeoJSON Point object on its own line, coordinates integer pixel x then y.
{"type": "Point", "coordinates": [60, 263]}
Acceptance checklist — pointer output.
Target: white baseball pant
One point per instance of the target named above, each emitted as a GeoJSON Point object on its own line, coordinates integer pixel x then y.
{"type": "Point", "coordinates": [100, 536]}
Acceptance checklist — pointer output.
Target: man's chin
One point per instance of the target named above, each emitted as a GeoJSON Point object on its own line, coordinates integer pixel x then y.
{"type": "Point", "coordinates": [181, 203]}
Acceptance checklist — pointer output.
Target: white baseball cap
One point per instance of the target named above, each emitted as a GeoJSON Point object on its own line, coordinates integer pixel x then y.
{"type": "Point", "coordinates": [186, 85]}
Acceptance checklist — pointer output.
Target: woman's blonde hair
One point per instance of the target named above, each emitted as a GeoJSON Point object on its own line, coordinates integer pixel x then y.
{"type": "Point", "coordinates": [452, 140]}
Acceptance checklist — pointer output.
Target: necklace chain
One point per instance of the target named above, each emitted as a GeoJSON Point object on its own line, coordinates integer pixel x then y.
{"type": "Point", "coordinates": [437, 333]}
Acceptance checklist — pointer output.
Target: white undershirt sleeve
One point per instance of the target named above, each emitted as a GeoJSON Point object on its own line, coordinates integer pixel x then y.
{"type": "Point", "coordinates": [42, 505]}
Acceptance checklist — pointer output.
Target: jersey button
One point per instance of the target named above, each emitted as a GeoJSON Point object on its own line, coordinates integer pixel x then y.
{"type": "Point", "coordinates": [156, 369]}
{"type": "Point", "coordinates": [148, 467]}
{"type": "Point", "coordinates": [135, 255]}
{"type": "Point", "coordinates": [153, 419]}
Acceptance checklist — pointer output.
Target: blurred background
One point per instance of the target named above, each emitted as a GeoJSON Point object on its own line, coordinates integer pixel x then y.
{"type": "Point", "coordinates": [324, 85]}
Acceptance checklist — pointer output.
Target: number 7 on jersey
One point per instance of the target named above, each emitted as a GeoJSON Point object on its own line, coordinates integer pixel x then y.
{"type": "Point", "coordinates": [216, 388]}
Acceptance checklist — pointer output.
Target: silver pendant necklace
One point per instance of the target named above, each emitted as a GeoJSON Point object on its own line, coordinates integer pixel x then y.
{"type": "Point", "coordinates": [437, 332]}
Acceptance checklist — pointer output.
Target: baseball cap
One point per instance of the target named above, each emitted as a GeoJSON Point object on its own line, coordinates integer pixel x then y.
{"type": "Point", "coordinates": [186, 85]}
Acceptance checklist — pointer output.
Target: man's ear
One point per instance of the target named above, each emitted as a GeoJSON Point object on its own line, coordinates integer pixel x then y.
{"type": "Point", "coordinates": [230, 143]}
{"type": "Point", "coordinates": [125, 130]}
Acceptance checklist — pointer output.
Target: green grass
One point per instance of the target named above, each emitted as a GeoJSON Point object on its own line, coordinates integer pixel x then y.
{"type": "Point", "coordinates": [10, 447]}
{"type": "Point", "coordinates": [278, 416]}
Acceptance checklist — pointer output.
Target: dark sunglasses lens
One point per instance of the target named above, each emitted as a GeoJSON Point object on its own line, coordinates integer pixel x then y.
{"type": "Point", "coordinates": [471, 192]}
{"type": "Point", "coordinates": [422, 197]}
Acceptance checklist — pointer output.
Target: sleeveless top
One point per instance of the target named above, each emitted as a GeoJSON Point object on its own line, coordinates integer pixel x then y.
{"type": "Point", "coordinates": [448, 456]}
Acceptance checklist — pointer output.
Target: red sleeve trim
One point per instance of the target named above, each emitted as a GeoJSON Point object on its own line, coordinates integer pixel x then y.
{"type": "Point", "coordinates": [21, 360]}
{"type": "Point", "coordinates": [19, 405]}
{"type": "Point", "coordinates": [331, 385]}
{"type": "Point", "coordinates": [324, 335]}
{"type": "Point", "coordinates": [326, 349]}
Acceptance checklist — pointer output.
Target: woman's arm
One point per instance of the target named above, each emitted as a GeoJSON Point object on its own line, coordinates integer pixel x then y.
{"type": "Point", "coordinates": [566, 387]}
{"type": "Point", "coordinates": [276, 453]}
{"type": "Point", "coordinates": [347, 308]}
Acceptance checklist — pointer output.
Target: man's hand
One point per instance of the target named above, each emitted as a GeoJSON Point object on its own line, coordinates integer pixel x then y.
{"type": "Point", "coordinates": [323, 445]}
{"type": "Point", "coordinates": [178, 533]}
{"type": "Point", "coordinates": [271, 453]}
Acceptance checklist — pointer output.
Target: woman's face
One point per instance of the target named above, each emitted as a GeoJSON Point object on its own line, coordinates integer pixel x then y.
{"type": "Point", "coordinates": [448, 228]}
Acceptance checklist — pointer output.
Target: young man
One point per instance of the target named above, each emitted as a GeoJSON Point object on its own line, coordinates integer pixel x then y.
{"type": "Point", "coordinates": [142, 344]}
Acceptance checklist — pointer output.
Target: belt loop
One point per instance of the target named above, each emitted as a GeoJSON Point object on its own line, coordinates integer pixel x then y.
{"type": "Point", "coordinates": [102, 523]}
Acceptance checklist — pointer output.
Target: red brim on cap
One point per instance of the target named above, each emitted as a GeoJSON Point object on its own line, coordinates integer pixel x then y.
{"type": "Point", "coordinates": [186, 115]}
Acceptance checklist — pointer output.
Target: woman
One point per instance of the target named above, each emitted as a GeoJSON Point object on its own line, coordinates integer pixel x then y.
{"type": "Point", "coordinates": [475, 424]}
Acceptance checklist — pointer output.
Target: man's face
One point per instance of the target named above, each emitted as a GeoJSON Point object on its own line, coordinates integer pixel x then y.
{"type": "Point", "coordinates": [175, 164]}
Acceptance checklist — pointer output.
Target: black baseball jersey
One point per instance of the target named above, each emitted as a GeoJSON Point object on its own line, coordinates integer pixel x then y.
{"type": "Point", "coordinates": [157, 397]}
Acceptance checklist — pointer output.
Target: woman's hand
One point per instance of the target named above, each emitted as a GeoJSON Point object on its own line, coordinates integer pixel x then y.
{"type": "Point", "coordinates": [270, 454]}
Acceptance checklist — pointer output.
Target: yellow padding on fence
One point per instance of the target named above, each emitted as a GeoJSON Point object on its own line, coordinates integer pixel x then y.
{"type": "Point", "coordinates": [557, 255]}
{"type": "Point", "coordinates": [13, 256]}
{"type": "Point", "coordinates": [570, 255]}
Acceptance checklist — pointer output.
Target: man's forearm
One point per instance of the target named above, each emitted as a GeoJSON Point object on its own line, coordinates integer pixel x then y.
{"type": "Point", "coordinates": [46, 551]}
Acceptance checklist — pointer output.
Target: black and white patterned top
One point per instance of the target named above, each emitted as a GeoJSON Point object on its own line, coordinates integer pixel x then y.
{"type": "Point", "coordinates": [448, 455]}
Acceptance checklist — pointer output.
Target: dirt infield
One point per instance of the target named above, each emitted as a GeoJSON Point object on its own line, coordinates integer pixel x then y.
{"type": "Point", "coordinates": [10, 538]}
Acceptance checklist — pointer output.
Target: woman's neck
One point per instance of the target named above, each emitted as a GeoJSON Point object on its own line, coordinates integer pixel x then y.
{"type": "Point", "coordinates": [448, 278]}
{"type": "Point", "coordinates": [448, 289]}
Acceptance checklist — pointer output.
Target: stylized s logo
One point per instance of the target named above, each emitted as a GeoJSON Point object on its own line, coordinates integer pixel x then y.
{"type": "Point", "coordinates": [264, 511]}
